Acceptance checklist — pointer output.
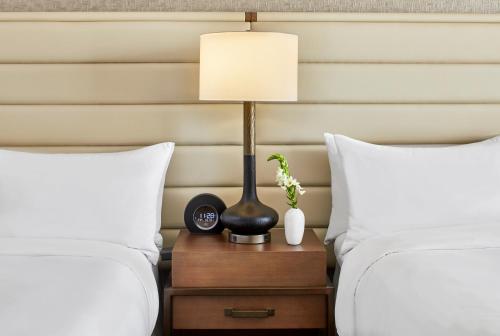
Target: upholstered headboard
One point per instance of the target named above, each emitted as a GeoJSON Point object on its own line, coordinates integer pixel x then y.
{"type": "Point", "coordinates": [111, 81]}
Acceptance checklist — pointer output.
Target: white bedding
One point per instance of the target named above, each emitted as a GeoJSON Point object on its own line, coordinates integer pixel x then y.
{"type": "Point", "coordinates": [110, 197]}
{"type": "Point", "coordinates": [442, 281]}
{"type": "Point", "coordinates": [337, 248]}
{"type": "Point", "coordinates": [63, 287]}
{"type": "Point", "coordinates": [380, 189]}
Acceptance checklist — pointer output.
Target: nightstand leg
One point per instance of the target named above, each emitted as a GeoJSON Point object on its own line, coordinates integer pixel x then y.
{"type": "Point", "coordinates": [331, 313]}
{"type": "Point", "coordinates": [167, 312]}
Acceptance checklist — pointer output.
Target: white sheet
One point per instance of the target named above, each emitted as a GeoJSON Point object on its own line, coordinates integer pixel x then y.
{"type": "Point", "coordinates": [443, 281]}
{"type": "Point", "coordinates": [337, 248]}
{"type": "Point", "coordinates": [68, 287]}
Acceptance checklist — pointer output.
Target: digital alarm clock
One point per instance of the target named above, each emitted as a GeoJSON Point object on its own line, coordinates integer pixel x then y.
{"type": "Point", "coordinates": [202, 214]}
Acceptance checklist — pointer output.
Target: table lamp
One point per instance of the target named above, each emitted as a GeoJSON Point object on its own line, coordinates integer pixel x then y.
{"type": "Point", "coordinates": [249, 67]}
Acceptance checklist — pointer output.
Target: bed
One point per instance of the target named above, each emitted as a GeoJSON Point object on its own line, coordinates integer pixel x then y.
{"type": "Point", "coordinates": [78, 253]}
{"type": "Point", "coordinates": [417, 236]}
{"type": "Point", "coordinates": [75, 287]}
{"type": "Point", "coordinates": [442, 281]}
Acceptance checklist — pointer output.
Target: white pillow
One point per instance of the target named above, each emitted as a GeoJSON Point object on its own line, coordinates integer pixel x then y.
{"type": "Point", "coordinates": [380, 189]}
{"type": "Point", "coordinates": [113, 197]}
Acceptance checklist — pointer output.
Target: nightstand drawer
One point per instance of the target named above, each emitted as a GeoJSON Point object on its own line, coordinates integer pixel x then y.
{"type": "Point", "coordinates": [249, 312]}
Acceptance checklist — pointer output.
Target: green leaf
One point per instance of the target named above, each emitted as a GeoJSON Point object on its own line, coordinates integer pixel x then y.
{"type": "Point", "coordinates": [282, 161]}
{"type": "Point", "coordinates": [275, 156]}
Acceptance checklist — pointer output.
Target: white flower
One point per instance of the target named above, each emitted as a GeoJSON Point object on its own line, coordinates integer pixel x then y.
{"type": "Point", "coordinates": [292, 182]}
{"type": "Point", "coordinates": [286, 181]}
{"type": "Point", "coordinates": [299, 189]}
{"type": "Point", "coordinates": [279, 174]}
{"type": "Point", "coordinates": [281, 178]}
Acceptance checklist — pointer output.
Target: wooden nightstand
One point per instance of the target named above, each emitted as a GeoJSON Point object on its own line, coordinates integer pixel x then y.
{"type": "Point", "coordinates": [217, 285]}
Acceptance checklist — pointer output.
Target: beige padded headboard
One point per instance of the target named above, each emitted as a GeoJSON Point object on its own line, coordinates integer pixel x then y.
{"type": "Point", "coordinates": [74, 82]}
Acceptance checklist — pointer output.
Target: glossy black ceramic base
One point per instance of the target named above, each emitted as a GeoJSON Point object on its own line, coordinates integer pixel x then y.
{"type": "Point", "coordinates": [249, 216]}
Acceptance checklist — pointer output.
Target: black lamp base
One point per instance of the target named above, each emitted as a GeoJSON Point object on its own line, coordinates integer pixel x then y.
{"type": "Point", "coordinates": [249, 217]}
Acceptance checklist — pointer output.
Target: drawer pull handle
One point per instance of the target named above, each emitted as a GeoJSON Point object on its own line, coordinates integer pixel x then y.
{"type": "Point", "coordinates": [237, 313]}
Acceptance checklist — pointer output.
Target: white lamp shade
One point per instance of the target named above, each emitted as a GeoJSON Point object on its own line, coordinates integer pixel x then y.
{"type": "Point", "coordinates": [248, 66]}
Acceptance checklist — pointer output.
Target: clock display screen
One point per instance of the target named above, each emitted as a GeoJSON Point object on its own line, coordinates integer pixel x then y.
{"type": "Point", "coordinates": [205, 217]}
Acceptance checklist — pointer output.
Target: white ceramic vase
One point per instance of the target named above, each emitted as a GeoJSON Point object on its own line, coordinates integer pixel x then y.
{"type": "Point", "coordinates": [294, 226]}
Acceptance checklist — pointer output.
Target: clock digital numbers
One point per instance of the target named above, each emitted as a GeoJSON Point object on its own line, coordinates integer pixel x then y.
{"type": "Point", "coordinates": [205, 217]}
{"type": "Point", "coordinates": [202, 214]}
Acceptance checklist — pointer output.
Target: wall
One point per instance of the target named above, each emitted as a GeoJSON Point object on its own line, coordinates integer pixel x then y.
{"type": "Point", "coordinates": [406, 6]}
{"type": "Point", "coordinates": [97, 82]}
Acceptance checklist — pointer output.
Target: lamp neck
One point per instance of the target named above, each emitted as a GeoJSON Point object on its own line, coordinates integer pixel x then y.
{"type": "Point", "coordinates": [249, 179]}
{"type": "Point", "coordinates": [249, 128]}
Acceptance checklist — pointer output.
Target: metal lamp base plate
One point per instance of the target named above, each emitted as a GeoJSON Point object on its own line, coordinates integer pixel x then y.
{"type": "Point", "coordinates": [251, 239]}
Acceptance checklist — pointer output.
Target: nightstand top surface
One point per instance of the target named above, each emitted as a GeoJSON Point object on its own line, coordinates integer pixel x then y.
{"type": "Point", "coordinates": [219, 243]}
